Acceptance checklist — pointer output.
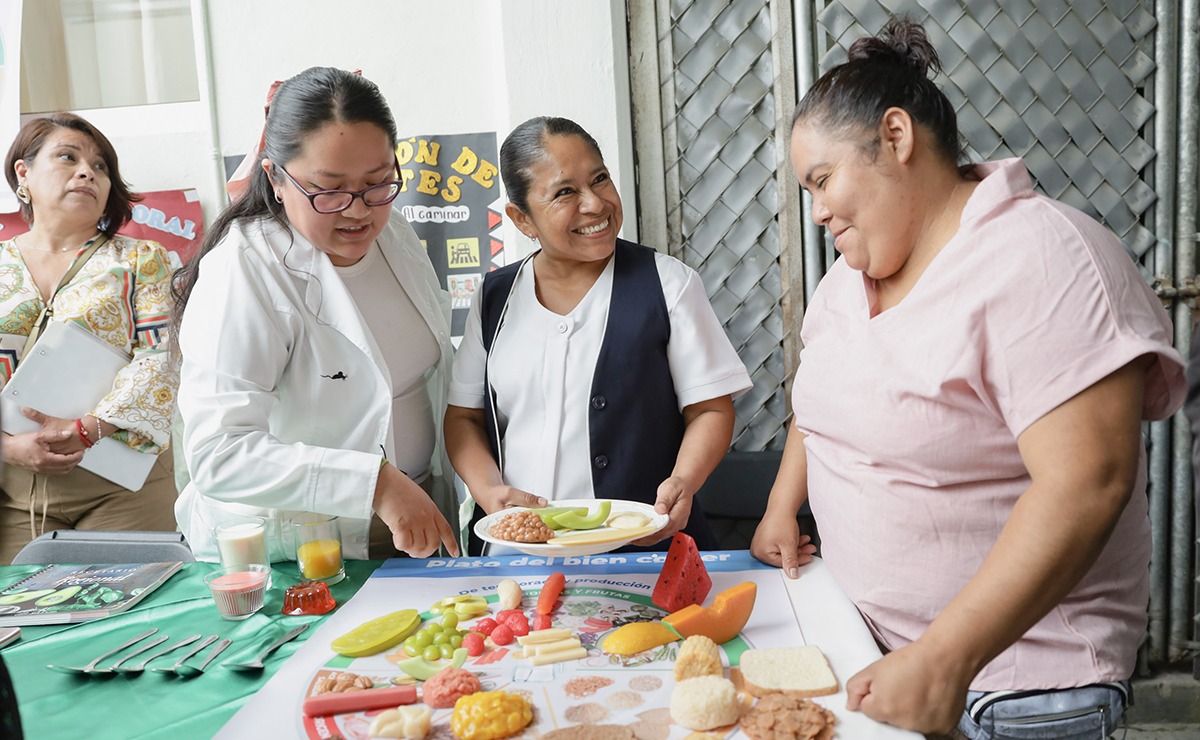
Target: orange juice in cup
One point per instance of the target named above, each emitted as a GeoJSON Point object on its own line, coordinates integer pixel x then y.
{"type": "Point", "coordinates": [319, 559]}
{"type": "Point", "coordinates": [318, 548]}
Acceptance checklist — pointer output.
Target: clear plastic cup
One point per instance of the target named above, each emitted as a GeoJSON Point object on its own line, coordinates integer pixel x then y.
{"type": "Point", "coordinates": [318, 548]}
{"type": "Point", "coordinates": [242, 541]}
{"type": "Point", "coordinates": [238, 590]}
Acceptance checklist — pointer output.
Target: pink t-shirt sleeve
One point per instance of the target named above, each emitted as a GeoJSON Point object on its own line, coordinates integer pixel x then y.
{"type": "Point", "coordinates": [1064, 318]}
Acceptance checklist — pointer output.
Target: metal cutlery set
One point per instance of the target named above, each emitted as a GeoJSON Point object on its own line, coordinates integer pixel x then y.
{"type": "Point", "coordinates": [179, 668]}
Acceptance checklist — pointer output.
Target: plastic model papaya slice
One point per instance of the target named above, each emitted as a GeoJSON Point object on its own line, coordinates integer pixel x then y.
{"type": "Point", "coordinates": [378, 634]}
{"type": "Point", "coordinates": [572, 520]}
{"type": "Point", "coordinates": [22, 596]}
{"type": "Point", "coordinates": [720, 622]}
{"type": "Point", "coordinates": [58, 597]}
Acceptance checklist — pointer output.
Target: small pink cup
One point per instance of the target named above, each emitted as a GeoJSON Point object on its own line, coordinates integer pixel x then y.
{"type": "Point", "coordinates": [239, 589]}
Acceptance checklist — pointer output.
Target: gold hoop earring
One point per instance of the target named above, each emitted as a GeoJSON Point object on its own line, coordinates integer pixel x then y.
{"type": "Point", "coordinates": [23, 194]}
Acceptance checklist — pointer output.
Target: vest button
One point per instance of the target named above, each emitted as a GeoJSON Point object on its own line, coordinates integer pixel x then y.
{"type": "Point", "coordinates": [599, 402]}
{"type": "Point", "coordinates": [601, 461]}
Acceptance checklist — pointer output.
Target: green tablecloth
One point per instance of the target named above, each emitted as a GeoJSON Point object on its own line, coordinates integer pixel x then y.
{"type": "Point", "coordinates": [153, 705]}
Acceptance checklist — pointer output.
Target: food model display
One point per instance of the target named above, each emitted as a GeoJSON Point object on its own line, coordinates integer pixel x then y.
{"type": "Point", "coordinates": [596, 525]}
{"type": "Point", "coordinates": [561, 656]}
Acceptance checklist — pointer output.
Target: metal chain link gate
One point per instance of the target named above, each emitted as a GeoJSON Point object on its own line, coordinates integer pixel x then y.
{"type": "Point", "coordinates": [1084, 90]}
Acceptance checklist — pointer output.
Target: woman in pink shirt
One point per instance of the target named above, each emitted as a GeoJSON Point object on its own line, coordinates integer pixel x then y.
{"type": "Point", "coordinates": [968, 409]}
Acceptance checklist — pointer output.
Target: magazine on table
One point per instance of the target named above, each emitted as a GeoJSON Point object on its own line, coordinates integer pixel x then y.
{"type": "Point", "coordinates": [59, 594]}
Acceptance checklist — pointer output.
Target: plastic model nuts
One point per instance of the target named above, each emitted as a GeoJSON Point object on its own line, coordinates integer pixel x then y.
{"type": "Point", "coordinates": [521, 526]}
{"type": "Point", "coordinates": [408, 723]}
{"type": "Point", "coordinates": [338, 683]}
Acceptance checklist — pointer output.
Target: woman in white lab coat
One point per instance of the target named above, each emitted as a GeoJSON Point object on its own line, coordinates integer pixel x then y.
{"type": "Point", "coordinates": [315, 340]}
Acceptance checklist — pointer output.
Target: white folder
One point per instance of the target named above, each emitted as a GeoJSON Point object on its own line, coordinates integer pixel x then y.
{"type": "Point", "coordinates": [66, 374]}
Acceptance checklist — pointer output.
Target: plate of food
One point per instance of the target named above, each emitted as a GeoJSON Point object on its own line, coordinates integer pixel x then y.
{"type": "Point", "coordinates": [571, 527]}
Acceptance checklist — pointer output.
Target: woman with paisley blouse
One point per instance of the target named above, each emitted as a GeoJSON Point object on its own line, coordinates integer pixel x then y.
{"type": "Point", "coordinates": [65, 174]}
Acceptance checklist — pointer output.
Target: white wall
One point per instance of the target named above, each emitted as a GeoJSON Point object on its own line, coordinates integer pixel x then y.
{"type": "Point", "coordinates": [445, 67]}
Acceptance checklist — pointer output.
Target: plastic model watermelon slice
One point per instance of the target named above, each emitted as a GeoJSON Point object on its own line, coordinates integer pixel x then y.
{"type": "Point", "coordinates": [684, 580]}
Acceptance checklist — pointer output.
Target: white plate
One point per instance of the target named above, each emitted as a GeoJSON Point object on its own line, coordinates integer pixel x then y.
{"type": "Point", "coordinates": [658, 521]}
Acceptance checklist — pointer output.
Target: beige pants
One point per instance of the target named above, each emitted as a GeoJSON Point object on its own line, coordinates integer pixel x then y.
{"type": "Point", "coordinates": [81, 500]}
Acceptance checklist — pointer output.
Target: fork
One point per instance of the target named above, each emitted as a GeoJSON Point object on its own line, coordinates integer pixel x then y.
{"type": "Point", "coordinates": [199, 646]}
{"type": "Point", "coordinates": [91, 667]}
{"type": "Point", "coordinates": [257, 663]}
{"type": "Point", "coordinates": [142, 666]}
{"type": "Point", "coordinates": [187, 671]}
{"type": "Point", "coordinates": [113, 668]}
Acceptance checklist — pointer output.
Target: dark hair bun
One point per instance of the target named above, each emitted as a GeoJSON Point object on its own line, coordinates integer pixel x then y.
{"type": "Point", "coordinates": [902, 41]}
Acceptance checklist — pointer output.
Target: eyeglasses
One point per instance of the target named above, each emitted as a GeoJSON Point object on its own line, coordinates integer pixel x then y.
{"type": "Point", "coordinates": [336, 201]}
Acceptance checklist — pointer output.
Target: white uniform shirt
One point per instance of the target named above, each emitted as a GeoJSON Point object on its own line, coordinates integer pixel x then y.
{"type": "Point", "coordinates": [409, 350]}
{"type": "Point", "coordinates": [284, 394]}
{"type": "Point", "coordinates": [542, 365]}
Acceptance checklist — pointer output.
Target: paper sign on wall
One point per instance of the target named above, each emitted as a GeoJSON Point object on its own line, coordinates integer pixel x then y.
{"type": "Point", "coordinates": [172, 218]}
{"type": "Point", "coordinates": [451, 197]}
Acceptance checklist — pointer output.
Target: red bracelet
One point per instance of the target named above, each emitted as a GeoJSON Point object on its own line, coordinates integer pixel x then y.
{"type": "Point", "coordinates": [83, 435]}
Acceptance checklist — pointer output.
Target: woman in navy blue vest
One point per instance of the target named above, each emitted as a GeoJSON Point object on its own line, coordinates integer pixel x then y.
{"type": "Point", "coordinates": [595, 367]}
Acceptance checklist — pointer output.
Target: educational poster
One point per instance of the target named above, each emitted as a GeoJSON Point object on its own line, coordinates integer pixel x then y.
{"type": "Point", "coordinates": [451, 196]}
{"type": "Point", "coordinates": [462, 289]}
{"type": "Point", "coordinates": [170, 217]}
{"type": "Point", "coordinates": [10, 86]}
{"type": "Point", "coordinates": [602, 593]}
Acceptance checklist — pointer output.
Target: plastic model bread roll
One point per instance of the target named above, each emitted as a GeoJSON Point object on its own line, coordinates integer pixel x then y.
{"type": "Point", "coordinates": [705, 703]}
{"type": "Point", "coordinates": [698, 656]}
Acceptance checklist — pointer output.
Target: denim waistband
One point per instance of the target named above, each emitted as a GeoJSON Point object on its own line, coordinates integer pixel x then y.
{"type": "Point", "coordinates": [979, 701]}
